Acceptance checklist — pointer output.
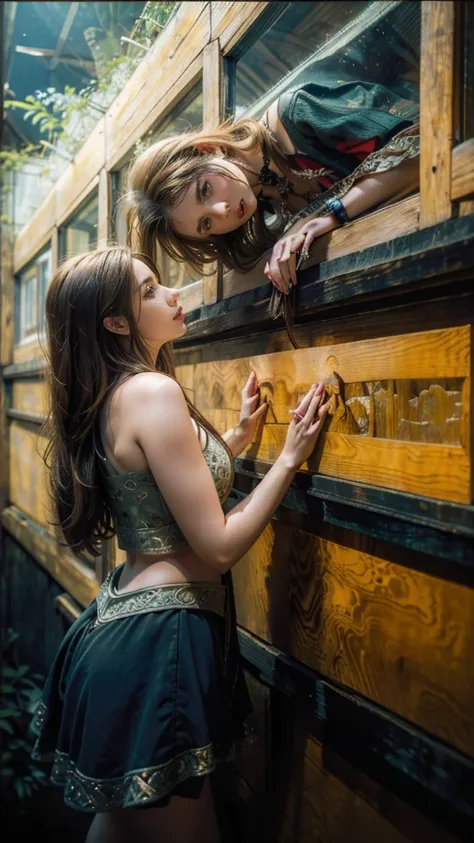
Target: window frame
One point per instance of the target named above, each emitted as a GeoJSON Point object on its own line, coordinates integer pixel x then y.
{"type": "Point", "coordinates": [31, 276]}
{"type": "Point", "coordinates": [62, 229]}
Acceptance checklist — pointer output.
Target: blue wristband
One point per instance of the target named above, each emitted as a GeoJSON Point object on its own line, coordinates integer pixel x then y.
{"type": "Point", "coordinates": [336, 207]}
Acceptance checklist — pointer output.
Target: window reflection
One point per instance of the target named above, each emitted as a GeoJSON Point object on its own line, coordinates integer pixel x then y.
{"type": "Point", "coordinates": [80, 233]}
{"type": "Point", "coordinates": [335, 42]}
{"type": "Point", "coordinates": [30, 296]}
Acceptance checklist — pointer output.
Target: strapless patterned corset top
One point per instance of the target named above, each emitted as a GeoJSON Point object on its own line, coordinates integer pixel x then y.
{"type": "Point", "coordinates": [142, 519]}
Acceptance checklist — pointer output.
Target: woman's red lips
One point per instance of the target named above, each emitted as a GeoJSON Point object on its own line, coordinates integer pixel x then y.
{"type": "Point", "coordinates": [179, 313]}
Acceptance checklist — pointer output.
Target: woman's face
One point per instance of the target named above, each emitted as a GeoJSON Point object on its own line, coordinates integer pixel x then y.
{"type": "Point", "coordinates": [159, 317]}
{"type": "Point", "coordinates": [215, 204]}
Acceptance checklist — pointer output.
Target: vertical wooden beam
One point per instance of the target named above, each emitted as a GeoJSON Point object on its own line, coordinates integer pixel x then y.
{"type": "Point", "coordinates": [466, 15]}
{"type": "Point", "coordinates": [213, 105]}
{"type": "Point", "coordinates": [105, 208]}
{"type": "Point", "coordinates": [7, 328]}
{"type": "Point", "coordinates": [436, 109]}
{"type": "Point", "coordinates": [54, 250]}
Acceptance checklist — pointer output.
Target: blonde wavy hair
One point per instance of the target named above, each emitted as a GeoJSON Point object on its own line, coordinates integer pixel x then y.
{"type": "Point", "coordinates": [159, 177]}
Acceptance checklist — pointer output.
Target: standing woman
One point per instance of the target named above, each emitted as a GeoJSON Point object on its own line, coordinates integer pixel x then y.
{"type": "Point", "coordinates": [146, 694]}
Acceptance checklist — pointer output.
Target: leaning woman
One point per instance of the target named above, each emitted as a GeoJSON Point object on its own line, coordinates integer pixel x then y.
{"type": "Point", "coordinates": [324, 153]}
{"type": "Point", "coordinates": [146, 694]}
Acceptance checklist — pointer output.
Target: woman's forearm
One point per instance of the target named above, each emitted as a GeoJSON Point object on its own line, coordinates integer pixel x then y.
{"type": "Point", "coordinates": [378, 187]}
{"type": "Point", "coordinates": [235, 439]}
{"type": "Point", "coordinates": [370, 191]}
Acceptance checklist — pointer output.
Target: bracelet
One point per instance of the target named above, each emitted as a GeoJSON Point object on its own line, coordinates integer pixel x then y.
{"type": "Point", "coordinates": [336, 207]}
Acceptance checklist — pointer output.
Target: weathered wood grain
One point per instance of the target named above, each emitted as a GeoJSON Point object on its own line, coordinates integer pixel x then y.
{"type": "Point", "coordinates": [230, 21]}
{"type": "Point", "coordinates": [436, 111]}
{"type": "Point", "coordinates": [78, 581]}
{"type": "Point", "coordinates": [36, 234]}
{"type": "Point", "coordinates": [377, 227]}
{"type": "Point", "coordinates": [462, 182]}
{"type": "Point", "coordinates": [28, 474]}
{"type": "Point", "coordinates": [328, 799]}
{"type": "Point", "coordinates": [27, 350]}
{"type": "Point", "coordinates": [175, 60]}
{"type": "Point", "coordinates": [191, 296]}
{"type": "Point", "coordinates": [30, 395]}
{"type": "Point", "coordinates": [104, 227]}
{"type": "Point", "coordinates": [320, 807]}
{"type": "Point", "coordinates": [67, 606]}
{"type": "Point", "coordinates": [398, 636]}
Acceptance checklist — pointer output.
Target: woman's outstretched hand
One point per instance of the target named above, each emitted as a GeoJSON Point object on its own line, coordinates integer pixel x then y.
{"type": "Point", "coordinates": [250, 411]}
{"type": "Point", "coordinates": [305, 427]}
{"type": "Point", "coordinates": [281, 265]}
{"type": "Point", "coordinates": [250, 415]}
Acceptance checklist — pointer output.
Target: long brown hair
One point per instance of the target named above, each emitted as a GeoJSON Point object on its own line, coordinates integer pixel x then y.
{"type": "Point", "coordinates": [159, 177]}
{"type": "Point", "coordinates": [86, 361]}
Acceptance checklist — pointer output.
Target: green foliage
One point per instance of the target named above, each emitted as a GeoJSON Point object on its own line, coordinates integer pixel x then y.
{"type": "Point", "coordinates": [14, 159]}
{"type": "Point", "coordinates": [19, 695]}
{"type": "Point", "coordinates": [55, 112]}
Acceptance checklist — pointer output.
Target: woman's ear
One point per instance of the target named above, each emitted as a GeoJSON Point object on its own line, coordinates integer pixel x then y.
{"type": "Point", "coordinates": [117, 325]}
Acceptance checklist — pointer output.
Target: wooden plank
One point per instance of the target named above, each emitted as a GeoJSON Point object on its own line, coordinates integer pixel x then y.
{"type": "Point", "coordinates": [78, 581]}
{"type": "Point", "coordinates": [427, 774]}
{"type": "Point", "coordinates": [34, 367]}
{"type": "Point", "coordinates": [28, 350]}
{"type": "Point", "coordinates": [68, 607]}
{"type": "Point", "coordinates": [385, 224]}
{"type": "Point", "coordinates": [191, 296]}
{"type": "Point", "coordinates": [438, 471]}
{"type": "Point", "coordinates": [30, 395]}
{"type": "Point", "coordinates": [7, 321]}
{"type": "Point", "coordinates": [105, 209]}
{"type": "Point", "coordinates": [398, 458]}
{"type": "Point", "coordinates": [230, 21]}
{"type": "Point", "coordinates": [81, 176]}
{"type": "Point", "coordinates": [323, 503]}
{"type": "Point", "coordinates": [380, 226]}
{"type": "Point", "coordinates": [424, 257]}
{"type": "Point", "coordinates": [318, 806]}
{"type": "Point", "coordinates": [212, 83]}
{"type": "Point", "coordinates": [436, 110]}
{"type": "Point", "coordinates": [175, 62]}
{"type": "Point", "coordinates": [400, 637]}
{"type": "Point", "coordinates": [462, 183]}
{"type": "Point", "coordinates": [28, 474]}
{"type": "Point", "coordinates": [7, 338]}
{"type": "Point", "coordinates": [412, 821]}
{"type": "Point", "coordinates": [77, 201]}
{"type": "Point", "coordinates": [36, 234]}
{"type": "Point", "coordinates": [443, 353]}
{"type": "Point", "coordinates": [54, 250]}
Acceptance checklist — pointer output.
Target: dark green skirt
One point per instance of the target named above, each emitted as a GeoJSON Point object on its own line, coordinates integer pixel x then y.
{"type": "Point", "coordinates": [146, 693]}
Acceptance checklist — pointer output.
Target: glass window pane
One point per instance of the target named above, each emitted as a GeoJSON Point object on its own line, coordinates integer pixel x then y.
{"type": "Point", "coordinates": [80, 234]}
{"type": "Point", "coordinates": [348, 40]}
{"type": "Point", "coordinates": [44, 277]}
{"type": "Point", "coordinates": [27, 294]}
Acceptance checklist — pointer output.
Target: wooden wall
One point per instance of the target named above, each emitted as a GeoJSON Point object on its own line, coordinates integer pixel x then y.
{"type": "Point", "coordinates": [355, 605]}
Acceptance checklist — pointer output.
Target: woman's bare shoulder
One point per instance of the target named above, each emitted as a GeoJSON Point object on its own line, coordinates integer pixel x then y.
{"type": "Point", "coordinates": [146, 386]}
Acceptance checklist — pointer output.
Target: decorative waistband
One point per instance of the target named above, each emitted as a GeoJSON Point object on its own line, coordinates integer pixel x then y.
{"type": "Point", "coordinates": [205, 596]}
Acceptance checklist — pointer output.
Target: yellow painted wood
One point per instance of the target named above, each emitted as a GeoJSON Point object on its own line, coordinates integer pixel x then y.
{"type": "Point", "coordinates": [400, 637]}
